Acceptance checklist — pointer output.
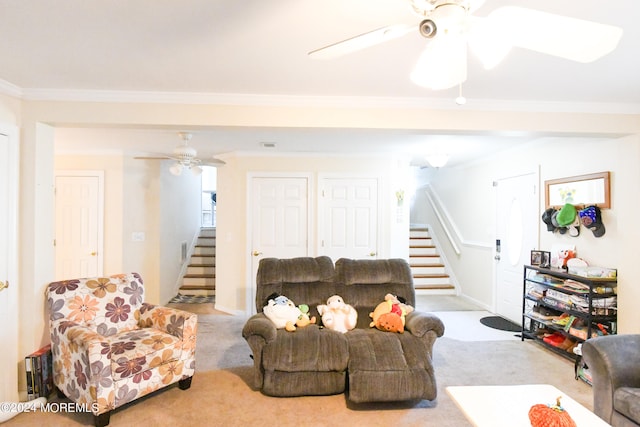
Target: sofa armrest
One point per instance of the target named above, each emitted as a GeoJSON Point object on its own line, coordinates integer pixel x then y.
{"type": "Point", "coordinates": [259, 325]}
{"type": "Point", "coordinates": [613, 361]}
{"type": "Point", "coordinates": [258, 331]}
{"type": "Point", "coordinates": [82, 364]}
{"type": "Point", "coordinates": [179, 323]}
{"type": "Point", "coordinates": [419, 323]}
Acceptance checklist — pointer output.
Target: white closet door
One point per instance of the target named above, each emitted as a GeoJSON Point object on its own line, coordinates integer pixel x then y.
{"type": "Point", "coordinates": [349, 220]}
{"type": "Point", "coordinates": [8, 269]}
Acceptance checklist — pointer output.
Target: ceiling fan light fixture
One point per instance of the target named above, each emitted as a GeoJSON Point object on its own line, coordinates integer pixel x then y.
{"type": "Point", "coordinates": [176, 169]}
{"type": "Point", "coordinates": [488, 43]}
{"type": "Point", "coordinates": [196, 170]}
{"type": "Point", "coordinates": [443, 64]}
{"type": "Point", "coordinates": [437, 160]}
{"type": "Point", "coordinates": [450, 17]}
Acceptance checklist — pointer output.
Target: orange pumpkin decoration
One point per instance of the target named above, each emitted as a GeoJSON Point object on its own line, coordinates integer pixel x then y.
{"type": "Point", "coordinates": [550, 416]}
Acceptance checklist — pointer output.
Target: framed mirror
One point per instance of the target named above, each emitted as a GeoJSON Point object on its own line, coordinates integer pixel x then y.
{"type": "Point", "coordinates": [582, 190]}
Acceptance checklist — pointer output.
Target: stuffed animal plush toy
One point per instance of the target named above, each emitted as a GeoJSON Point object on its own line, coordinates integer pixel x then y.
{"type": "Point", "coordinates": [563, 256]}
{"type": "Point", "coordinates": [285, 315]}
{"type": "Point", "coordinates": [383, 315]}
{"type": "Point", "coordinates": [390, 322]}
{"type": "Point", "coordinates": [337, 315]}
{"type": "Point", "coordinates": [304, 319]}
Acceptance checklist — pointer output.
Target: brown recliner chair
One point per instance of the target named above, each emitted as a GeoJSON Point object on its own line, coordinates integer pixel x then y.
{"type": "Point", "coordinates": [614, 364]}
{"type": "Point", "coordinates": [370, 364]}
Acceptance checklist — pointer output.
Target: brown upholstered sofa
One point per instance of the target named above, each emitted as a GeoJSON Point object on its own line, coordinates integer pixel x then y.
{"type": "Point", "coordinates": [614, 361]}
{"type": "Point", "coordinates": [369, 364]}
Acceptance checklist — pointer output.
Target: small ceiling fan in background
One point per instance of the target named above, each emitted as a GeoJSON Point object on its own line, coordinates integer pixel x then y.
{"type": "Point", "coordinates": [450, 27]}
{"type": "Point", "coordinates": [185, 157]}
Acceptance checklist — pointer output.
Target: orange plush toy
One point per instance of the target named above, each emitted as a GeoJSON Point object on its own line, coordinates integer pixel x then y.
{"type": "Point", "coordinates": [390, 314]}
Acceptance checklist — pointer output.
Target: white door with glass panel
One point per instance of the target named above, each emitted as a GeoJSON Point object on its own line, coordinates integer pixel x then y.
{"type": "Point", "coordinates": [79, 228]}
{"type": "Point", "coordinates": [349, 218]}
{"type": "Point", "coordinates": [516, 235]}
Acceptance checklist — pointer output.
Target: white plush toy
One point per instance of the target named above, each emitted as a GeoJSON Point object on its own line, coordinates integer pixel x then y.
{"type": "Point", "coordinates": [337, 315]}
{"type": "Point", "coordinates": [284, 313]}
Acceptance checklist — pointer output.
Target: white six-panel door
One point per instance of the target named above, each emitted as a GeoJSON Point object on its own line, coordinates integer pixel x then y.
{"type": "Point", "coordinates": [78, 213]}
{"type": "Point", "coordinates": [279, 214]}
{"type": "Point", "coordinates": [349, 218]}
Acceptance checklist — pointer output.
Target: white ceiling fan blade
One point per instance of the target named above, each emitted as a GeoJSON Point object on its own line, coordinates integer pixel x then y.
{"type": "Point", "coordinates": [443, 64]}
{"type": "Point", "coordinates": [213, 162]}
{"type": "Point", "coordinates": [362, 41]}
{"type": "Point", "coordinates": [487, 43]}
{"type": "Point", "coordinates": [158, 157]}
{"type": "Point", "coordinates": [562, 36]}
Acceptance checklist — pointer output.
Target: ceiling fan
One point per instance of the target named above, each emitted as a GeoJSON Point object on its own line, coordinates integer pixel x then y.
{"type": "Point", "coordinates": [449, 26]}
{"type": "Point", "coordinates": [185, 157]}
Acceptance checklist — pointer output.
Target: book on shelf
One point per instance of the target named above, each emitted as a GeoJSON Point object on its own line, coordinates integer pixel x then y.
{"type": "Point", "coordinates": [39, 373]}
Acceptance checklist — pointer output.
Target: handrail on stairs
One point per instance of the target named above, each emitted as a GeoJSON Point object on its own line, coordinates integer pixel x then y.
{"type": "Point", "coordinates": [442, 222]}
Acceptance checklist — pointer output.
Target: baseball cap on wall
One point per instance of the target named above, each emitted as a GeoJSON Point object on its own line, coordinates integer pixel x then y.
{"type": "Point", "coordinates": [591, 218]}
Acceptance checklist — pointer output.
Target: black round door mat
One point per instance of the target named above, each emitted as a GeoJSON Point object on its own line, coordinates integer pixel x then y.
{"type": "Point", "coordinates": [497, 322]}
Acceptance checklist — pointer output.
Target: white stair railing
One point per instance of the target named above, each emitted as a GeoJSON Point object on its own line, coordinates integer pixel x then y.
{"type": "Point", "coordinates": [441, 220]}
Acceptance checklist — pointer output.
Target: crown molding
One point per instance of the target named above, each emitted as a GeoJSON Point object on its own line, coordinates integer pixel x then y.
{"type": "Point", "coordinates": [10, 89]}
{"type": "Point", "coordinates": [313, 101]}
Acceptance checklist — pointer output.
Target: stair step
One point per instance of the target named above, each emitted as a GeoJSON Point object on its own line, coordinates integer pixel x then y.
{"type": "Point", "coordinates": [431, 276]}
{"type": "Point", "coordinates": [428, 269]}
{"type": "Point", "coordinates": [423, 258]}
{"type": "Point", "coordinates": [434, 287]}
{"type": "Point", "coordinates": [204, 250]}
{"type": "Point", "coordinates": [195, 269]}
{"type": "Point", "coordinates": [199, 276]}
{"type": "Point", "coordinates": [197, 290]}
{"type": "Point", "coordinates": [419, 234]}
{"type": "Point", "coordinates": [199, 280]}
{"type": "Point", "coordinates": [208, 231]}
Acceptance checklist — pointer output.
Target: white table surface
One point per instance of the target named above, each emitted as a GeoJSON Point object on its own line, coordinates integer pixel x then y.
{"type": "Point", "coordinates": [508, 406]}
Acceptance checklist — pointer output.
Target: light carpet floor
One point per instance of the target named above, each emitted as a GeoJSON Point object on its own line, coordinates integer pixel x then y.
{"type": "Point", "coordinates": [221, 393]}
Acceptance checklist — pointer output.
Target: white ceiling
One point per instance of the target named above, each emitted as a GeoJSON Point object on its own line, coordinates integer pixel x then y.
{"type": "Point", "coordinates": [259, 47]}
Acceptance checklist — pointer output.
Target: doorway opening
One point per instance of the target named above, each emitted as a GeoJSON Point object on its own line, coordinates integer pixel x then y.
{"type": "Point", "coordinates": [209, 186]}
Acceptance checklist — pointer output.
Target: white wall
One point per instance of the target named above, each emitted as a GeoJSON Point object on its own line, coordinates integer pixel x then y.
{"type": "Point", "coordinates": [179, 208]}
{"type": "Point", "coordinates": [469, 197]}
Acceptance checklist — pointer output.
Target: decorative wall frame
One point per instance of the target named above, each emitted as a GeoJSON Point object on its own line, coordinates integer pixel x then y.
{"type": "Point", "coordinates": [541, 258]}
{"type": "Point", "coordinates": [581, 190]}
{"type": "Point", "coordinates": [536, 257]}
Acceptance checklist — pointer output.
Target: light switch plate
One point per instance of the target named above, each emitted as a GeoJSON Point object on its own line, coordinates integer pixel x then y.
{"type": "Point", "coordinates": [137, 236]}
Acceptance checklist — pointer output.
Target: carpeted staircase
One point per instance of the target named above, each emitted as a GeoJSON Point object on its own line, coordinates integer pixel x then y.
{"type": "Point", "coordinates": [425, 262]}
{"type": "Point", "coordinates": [200, 278]}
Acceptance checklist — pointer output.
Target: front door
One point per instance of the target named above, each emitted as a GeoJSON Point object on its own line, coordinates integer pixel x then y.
{"type": "Point", "coordinates": [78, 212]}
{"type": "Point", "coordinates": [279, 215]}
{"type": "Point", "coordinates": [516, 235]}
{"type": "Point", "coordinates": [349, 222]}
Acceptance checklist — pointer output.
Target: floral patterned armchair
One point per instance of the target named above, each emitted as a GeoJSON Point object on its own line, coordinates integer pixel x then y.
{"type": "Point", "coordinates": [109, 347]}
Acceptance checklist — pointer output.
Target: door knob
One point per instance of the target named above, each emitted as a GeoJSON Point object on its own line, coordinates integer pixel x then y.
{"type": "Point", "coordinates": [372, 254]}
{"type": "Point", "coordinates": [256, 253]}
{"type": "Point", "coordinates": [4, 285]}
{"type": "Point", "coordinates": [94, 253]}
